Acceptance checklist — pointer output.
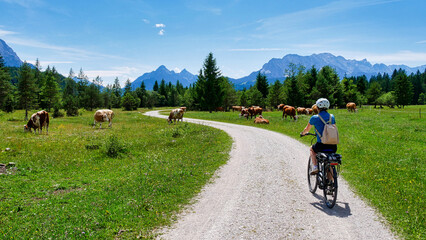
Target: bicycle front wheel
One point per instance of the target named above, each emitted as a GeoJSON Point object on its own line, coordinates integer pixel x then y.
{"type": "Point", "coordinates": [330, 188]}
{"type": "Point", "coordinates": [312, 179]}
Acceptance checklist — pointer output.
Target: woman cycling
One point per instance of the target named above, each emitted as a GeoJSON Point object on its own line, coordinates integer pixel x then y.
{"type": "Point", "coordinates": [323, 104]}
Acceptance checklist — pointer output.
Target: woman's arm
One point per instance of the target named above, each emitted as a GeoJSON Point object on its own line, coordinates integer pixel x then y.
{"type": "Point", "coordinates": [307, 129]}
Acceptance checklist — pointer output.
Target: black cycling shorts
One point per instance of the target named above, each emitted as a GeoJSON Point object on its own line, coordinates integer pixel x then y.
{"type": "Point", "coordinates": [320, 147]}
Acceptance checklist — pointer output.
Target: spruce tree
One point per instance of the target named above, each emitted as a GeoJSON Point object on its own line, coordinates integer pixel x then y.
{"type": "Point", "coordinates": [127, 87]}
{"type": "Point", "coordinates": [70, 97]}
{"type": "Point", "coordinates": [403, 90]}
{"type": "Point", "coordinates": [27, 88]}
{"type": "Point", "coordinates": [275, 94]}
{"type": "Point", "coordinates": [209, 82]}
{"type": "Point", "coordinates": [116, 90]}
{"type": "Point", "coordinates": [50, 91]}
{"type": "Point", "coordinates": [262, 84]}
{"type": "Point", "coordinates": [5, 86]}
{"type": "Point", "coordinates": [155, 88]}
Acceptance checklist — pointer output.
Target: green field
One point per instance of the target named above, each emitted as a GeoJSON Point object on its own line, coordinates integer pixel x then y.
{"type": "Point", "coordinates": [384, 158]}
{"type": "Point", "coordinates": [69, 185]}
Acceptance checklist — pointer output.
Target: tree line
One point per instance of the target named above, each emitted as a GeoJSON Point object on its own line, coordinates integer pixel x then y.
{"type": "Point", "coordinates": [28, 87]}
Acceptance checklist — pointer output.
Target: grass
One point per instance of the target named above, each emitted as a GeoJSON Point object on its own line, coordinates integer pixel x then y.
{"type": "Point", "coordinates": [384, 158]}
{"type": "Point", "coordinates": [121, 182]}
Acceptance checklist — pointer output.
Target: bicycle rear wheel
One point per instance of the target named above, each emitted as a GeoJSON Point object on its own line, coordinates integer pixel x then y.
{"type": "Point", "coordinates": [330, 188]}
{"type": "Point", "coordinates": [312, 179]}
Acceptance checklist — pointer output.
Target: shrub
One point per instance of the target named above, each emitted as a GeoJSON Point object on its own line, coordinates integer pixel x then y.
{"type": "Point", "coordinates": [114, 147]}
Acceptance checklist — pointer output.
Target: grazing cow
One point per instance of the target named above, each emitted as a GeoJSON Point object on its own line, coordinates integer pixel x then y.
{"type": "Point", "coordinates": [183, 108]}
{"type": "Point", "coordinates": [244, 113]}
{"type": "Point", "coordinates": [253, 111]}
{"type": "Point", "coordinates": [37, 121]}
{"type": "Point", "coordinates": [281, 106]}
{"type": "Point", "coordinates": [301, 110]}
{"type": "Point", "coordinates": [175, 114]}
{"type": "Point", "coordinates": [315, 109]}
{"type": "Point", "coordinates": [351, 107]}
{"type": "Point", "coordinates": [103, 115]}
{"type": "Point", "coordinates": [289, 111]}
{"type": "Point", "coordinates": [309, 111]}
{"type": "Point", "coordinates": [237, 108]}
{"type": "Point", "coordinates": [220, 109]}
{"type": "Point", "coordinates": [260, 119]}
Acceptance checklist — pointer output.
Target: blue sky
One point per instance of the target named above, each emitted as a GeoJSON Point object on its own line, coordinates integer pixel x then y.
{"type": "Point", "coordinates": [127, 38]}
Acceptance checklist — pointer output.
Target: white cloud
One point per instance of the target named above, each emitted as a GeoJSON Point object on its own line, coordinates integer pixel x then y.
{"type": "Point", "coordinates": [68, 52]}
{"type": "Point", "coordinates": [160, 25]}
{"type": "Point", "coordinates": [146, 21]}
{"type": "Point", "coordinates": [51, 63]}
{"type": "Point", "coordinates": [161, 32]}
{"type": "Point", "coordinates": [123, 73]}
{"type": "Point", "coordinates": [5, 32]}
{"type": "Point", "coordinates": [421, 42]}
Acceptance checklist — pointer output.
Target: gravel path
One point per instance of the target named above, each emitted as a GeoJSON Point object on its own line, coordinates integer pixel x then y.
{"type": "Point", "coordinates": [262, 193]}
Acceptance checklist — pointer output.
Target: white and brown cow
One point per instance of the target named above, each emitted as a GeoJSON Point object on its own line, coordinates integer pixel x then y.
{"type": "Point", "coordinates": [175, 114]}
{"type": "Point", "coordinates": [103, 115]}
{"type": "Point", "coordinates": [37, 121]}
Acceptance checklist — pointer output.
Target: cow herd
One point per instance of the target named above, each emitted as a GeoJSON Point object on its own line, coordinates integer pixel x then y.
{"type": "Point", "coordinates": [41, 119]}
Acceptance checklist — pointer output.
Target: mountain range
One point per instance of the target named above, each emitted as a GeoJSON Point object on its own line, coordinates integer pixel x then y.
{"type": "Point", "coordinates": [274, 69]}
{"type": "Point", "coordinates": [9, 56]}
{"type": "Point", "coordinates": [184, 77]}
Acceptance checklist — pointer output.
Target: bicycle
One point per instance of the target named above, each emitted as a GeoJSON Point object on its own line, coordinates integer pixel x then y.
{"type": "Point", "coordinates": [326, 178]}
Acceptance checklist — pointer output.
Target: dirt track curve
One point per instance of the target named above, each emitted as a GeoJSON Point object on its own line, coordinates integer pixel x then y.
{"type": "Point", "coordinates": [262, 193]}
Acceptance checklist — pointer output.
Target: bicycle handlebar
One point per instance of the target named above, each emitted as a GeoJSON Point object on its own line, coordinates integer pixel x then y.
{"type": "Point", "coordinates": [307, 134]}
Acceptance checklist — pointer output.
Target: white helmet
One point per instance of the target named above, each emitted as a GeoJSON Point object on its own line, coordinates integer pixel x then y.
{"type": "Point", "coordinates": [323, 103]}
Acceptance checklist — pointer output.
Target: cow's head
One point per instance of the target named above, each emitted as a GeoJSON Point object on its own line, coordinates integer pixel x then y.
{"type": "Point", "coordinates": [26, 128]}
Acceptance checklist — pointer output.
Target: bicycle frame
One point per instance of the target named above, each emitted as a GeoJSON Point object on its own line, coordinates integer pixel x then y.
{"type": "Point", "coordinates": [328, 164]}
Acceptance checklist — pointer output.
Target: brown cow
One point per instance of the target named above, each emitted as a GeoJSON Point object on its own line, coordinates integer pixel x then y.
{"type": "Point", "coordinates": [237, 108]}
{"type": "Point", "coordinates": [220, 109]}
{"type": "Point", "coordinates": [103, 115]}
{"type": "Point", "coordinates": [260, 119]}
{"type": "Point", "coordinates": [244, 113]}
{"type": "Point", "coordinates": [183, 108]}
{"type": "Point", "coordinates": [37, 121]}
{"type": "Point", "coordinates": [315, 109]}
{"type": "Point", "coordinates": [281, 106]}
{"type": "Point", "coordinates": [301, 110]}
{"type": "Point", "coordinates": [289, 111]}
{"type": "Point", "coordinates": [351, 107]}
{"type": "Point", "coordinates": [309, 111]}
{"type": "Point", "coordinates": [253, 111]}
{"type": "Point", "coordinates": [175, 114]}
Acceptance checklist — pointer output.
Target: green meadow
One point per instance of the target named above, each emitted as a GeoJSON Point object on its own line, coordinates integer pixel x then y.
{"type": "Point", "coordinates": [114, 183]}
{"type": "Point", "coordinates": [384, 157]}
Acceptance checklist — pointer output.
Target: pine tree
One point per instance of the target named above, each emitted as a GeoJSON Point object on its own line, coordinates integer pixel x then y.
{"type": "Point", "coordinates": [209, 82]}
{"type": "Point", "coordinates": [155, 88]}
{"type": "Point", "coordinates": [403, 90]}
{"type": "Point", "coordinates": [373, 93]}
{"type": "Point", "coordinates": [70, 97]}
{"type": "Point", "coordinates": [26, 88]}
{"type": "Point", "coordinates": [5, 86]}
{"type": "Point", "coordinates": [127, 87]}
{"type": "Point", "coordinates": [230, 95]}
{"type": "Point", "coordinates": [50, 91]}
{"type": "Point", "coordinates": [262, 84]}
{"type": "Point", "coordinates": [116, 90]}
{"type": "Point", "coordinates": [275, 94]}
